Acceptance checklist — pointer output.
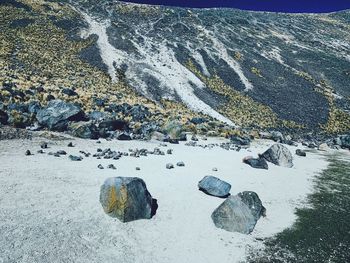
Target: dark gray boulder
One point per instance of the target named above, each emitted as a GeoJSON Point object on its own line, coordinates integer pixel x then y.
{"type": "Point", "coordinates": [127, 199]}
{"type": "Point", "coordinates": [214, 186]}
{"type": "Point", "coordinates": [239, 213]}
{"type": "Point", "coordinates": [58, 113]}
{"type": "Point", "coordinates": [85, 130]}
{"type": "Point", "coordinates": [278, 154]}
{"type": "Point", "coordinates": [124, 137]}
{"type": "Point", "coordinates": [344, 141]}
{"type": "Point", "coordinates": [252, 200]}
{"type": "Point", "coordinates": [258, 163]}
{"type": "Point", "coordinates": [300, 152]}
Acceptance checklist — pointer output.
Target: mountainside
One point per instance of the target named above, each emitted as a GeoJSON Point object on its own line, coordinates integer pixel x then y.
{"type": "Point", "coordinates": [251, 69]}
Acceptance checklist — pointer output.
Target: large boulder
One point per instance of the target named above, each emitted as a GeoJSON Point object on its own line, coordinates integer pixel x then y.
{"type": "Point", "coordinates": [214, 186]}
{"type": "Point", "coordinates": [258, 163]}
{"type": "Point", "coordinates": [278, 154]}
{"type": "Point", "coordinates": [85, 130]}
{"type": "Point", "coordinates": [58, 113]}
{"type": "Point", "coordinates": [127, 199]}
{"type": "Point", "coordinates": [239, 213]}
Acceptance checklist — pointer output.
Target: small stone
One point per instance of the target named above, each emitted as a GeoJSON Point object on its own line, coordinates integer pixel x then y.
{"type": "Point", "coordinates": [40, 151]}
{"type": "Point", "coordinates": [61, 152]}
{"type": "Point", "coordinates": [111, 166]}
{"type": "Point", "coordinates": [43, 145]}
{"type": "Point", "coordinates": [75, 158]}
{"type": "Point", "coordinates": [138, 168]}
{"type": "Point", "coordinates": [98, 141]}
{"type": "Point", "coordinates": [300, 153]}
{"type": "Point", "coordinates": [180, 164]}
{"type": "Point", "coordinates": [169, 151]}
{"type": "Point", "coordinates": [169, 166]}
{"type": "Point", "coordinates": [215, 169]}
{"type": "Point", "coordinates": [70, 144]}
{"type": "Point", "coordinates": [28, 153]}
{"type": "Point", "coordinates": [100, 166]}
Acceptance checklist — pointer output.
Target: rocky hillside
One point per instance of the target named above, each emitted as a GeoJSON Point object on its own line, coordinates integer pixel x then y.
{"type": "Point", "coordinates": [147, 64]}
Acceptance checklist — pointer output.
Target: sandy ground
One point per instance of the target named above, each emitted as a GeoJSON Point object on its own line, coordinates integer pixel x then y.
{"type": "Point", "coordinates": [50, 210]}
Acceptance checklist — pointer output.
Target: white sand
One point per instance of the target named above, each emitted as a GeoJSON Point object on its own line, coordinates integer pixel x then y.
{"type": "Point", "coordinates": [50, 210]}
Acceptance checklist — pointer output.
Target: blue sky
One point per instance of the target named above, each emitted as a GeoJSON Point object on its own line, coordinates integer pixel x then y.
{"type": "Point", "coordinates": [315, 6]}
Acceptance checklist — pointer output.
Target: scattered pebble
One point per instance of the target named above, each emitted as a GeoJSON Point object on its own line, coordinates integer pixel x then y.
{"type": "Point", "coordinates": [61, 152]}
{"type": "Point", "coordinates": [180, 164]}
{"type": "Point", "coordinates": [111, 166]}
{"type": "Point", "coordinates": [215, 169]}
{"type": "Point", "coordinates": [43, 145]}
{"type": "Point", "coordinates": [70, 144]}
{"type": "Point", "coordinates": [169, 151]}
{"type": "Point", "coordinates": [138, 168]}
{"type": "Point", "coordinates": [169, 166]}
{"type": "Point", "coordinates": [40, 151]}
{"type": "Point", "coordinates": [28, 153]}
{"type": "Point", "coordinates": [75, 158]}
{"type": "Point", "coordinates": [100, 166]}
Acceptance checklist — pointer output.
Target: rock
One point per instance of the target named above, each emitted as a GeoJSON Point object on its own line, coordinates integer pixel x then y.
{"type": "Point", "coordinates": [258, 163]}
{"type": "Point", "coordinates": [113, 125]}
{"type": "Point", "coordinates": [98, 116]}
{"type": "Point", "coordinates": [214, 186]}
{"type": "Point", "coordinates": [239, 213]}
{"type": "Point", "coordinates": [252, 200]}
{"type": "Point", "coordinates": [69, 92]}
{"type": "Point", "coordinates": [70, 144]}
{"type": "Point", "coordinates": [58, 113]}
{"type": "Point", "coordinates": [300, 152]}
{"type": "Point", "coordinates": [61, 152]}
{"type": "Point", "coordinates": [19, 119]}
{"type": "Point", "coordinates": [194, 138]}
{"type": "Point", "coordinates": [169, 166]}
{"type": "Point", "coordinates": [75, 158]}
{"type": "Point", "coordinates": [278, 154]}
{"type": "Point", "coordinates": [174, 130]}
{"type": "Point", "coordinates": [34, 107]}
{"type": "Point", "coordinates": [27, 153]}
{"type": "Point", "coordinates": [215, 169]}
{"type": "Point", "coordinates": [138, 168]}
{"type": "Point", "coordinates": [180, 164]}
{"type": "Point", "coordinates": [3, 117]}
{"type": "Point", "coordinates": [124, 137]}
{"type": "Point", "coordinates": [169, 151]}
{"type": "Point", "coordinates": [84, 130]}
{"type": "Point", "coordinates": [43, 145]}
{"type": "Point", "coordinates": [344, 141]}
{"type": "Point", "coordinates": [238, 140]}
{"type": "Point", "coordinates": [100, 166]}
{"type": "Point", "coordinates": [40, 151]}
{"type": "Point", "coordinates": [198, 120]}
{"type": "Point", "coordinates": [323, 147]}
{"type": "Point", "coordinates": [158, 136]}
{"type": "Point", "coordinates": [127, 199]}
{"type": "Point", "coordinates": [111, 166]}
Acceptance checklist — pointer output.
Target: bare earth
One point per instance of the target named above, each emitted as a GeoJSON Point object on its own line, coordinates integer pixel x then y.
{"type": "Point", "coordinates": [50, 210]}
